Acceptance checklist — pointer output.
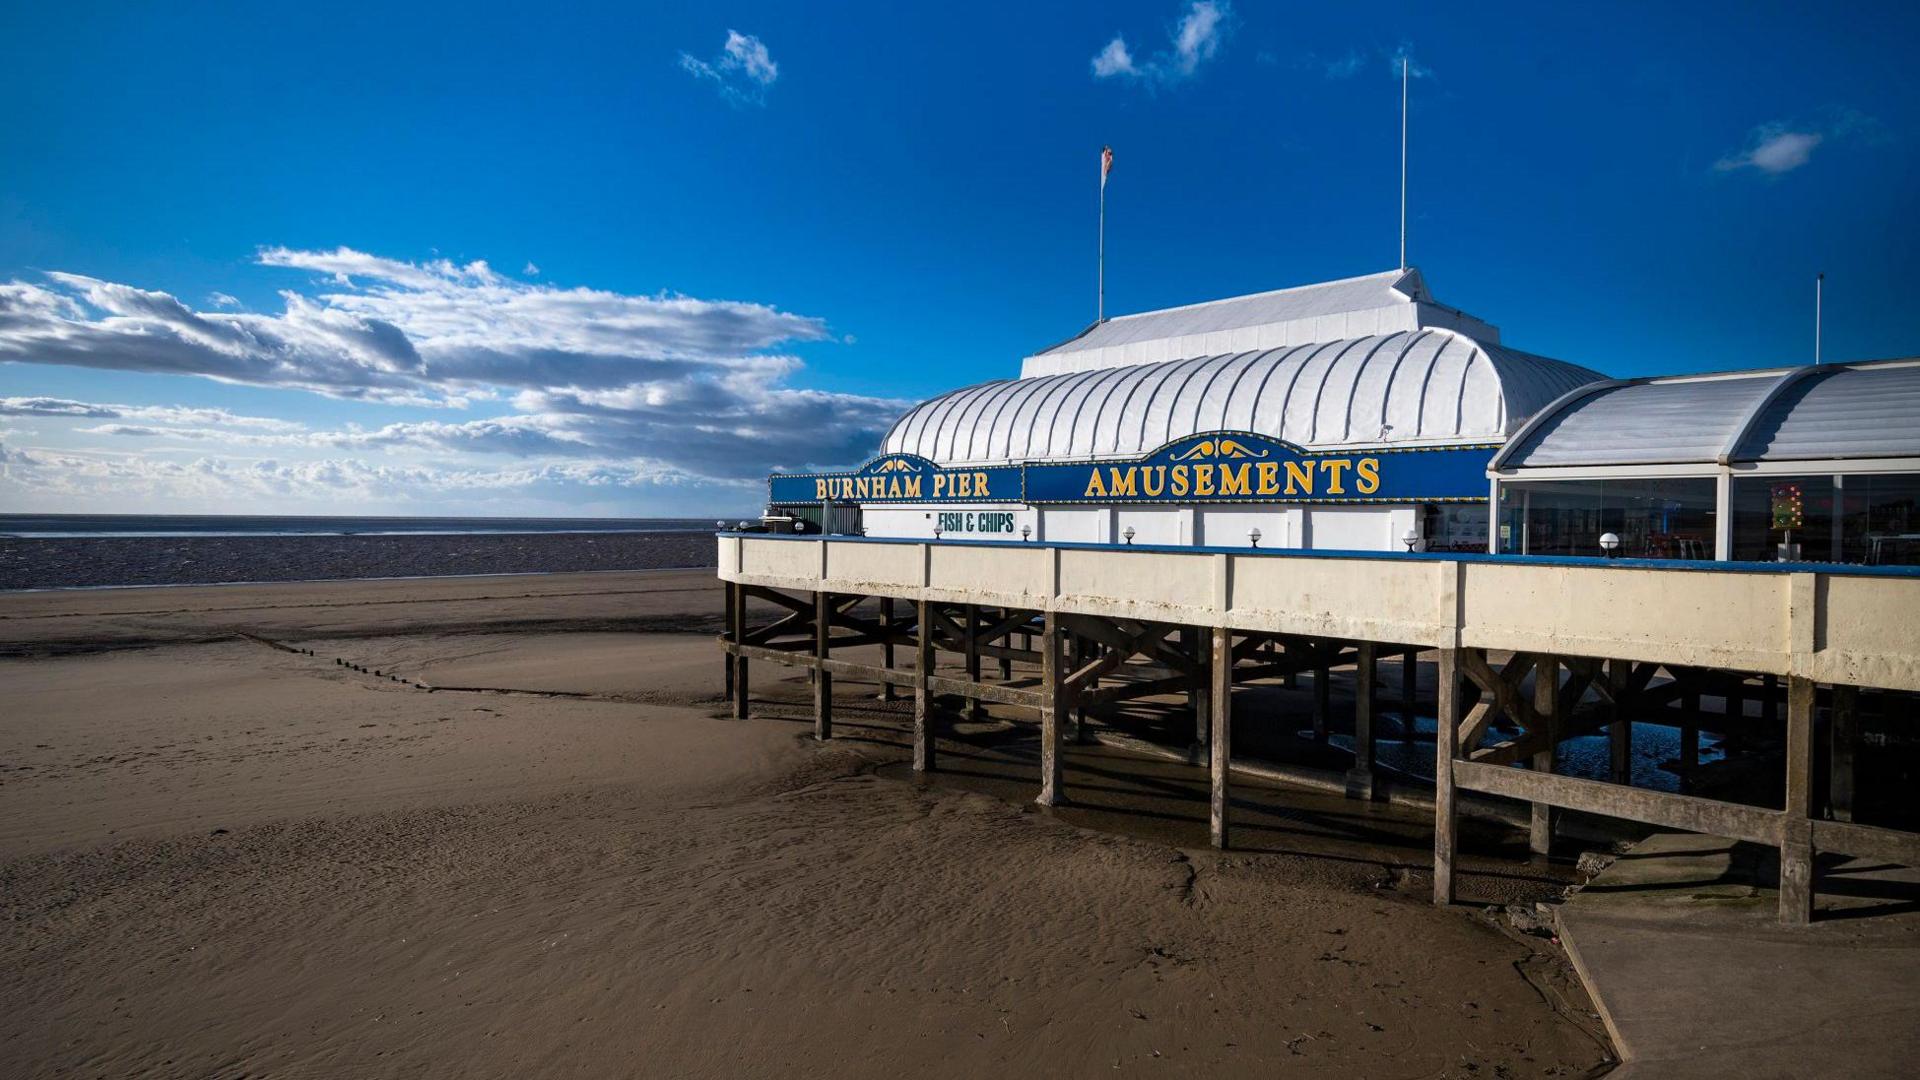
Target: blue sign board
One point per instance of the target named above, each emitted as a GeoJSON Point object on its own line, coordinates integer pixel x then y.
{"type": "Point", "coordinates": [1216, 467]}
{"type": "Point", "coordinates": [898, 478]}
{"type": "Point", "coordinates": [1233, 466]}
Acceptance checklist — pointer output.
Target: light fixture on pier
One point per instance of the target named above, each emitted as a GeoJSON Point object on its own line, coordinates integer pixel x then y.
{"type": "Point", "coordinates": [1610, 544]}
{"type": "Point", "coordinates": [1024, 531]}
{"type": "Point", "coordinates": [1254, 535]}
{"type": "Point", "coordinates": [720, 525]}
{"type": "Point", "coordinates": [743, 526]}
{"type": "Point", "coordinates": [1410, 539]}
{"type": "Point", "coordinates": [1128, 534]}
{"type": "Point", "coordinates": [937, 530]}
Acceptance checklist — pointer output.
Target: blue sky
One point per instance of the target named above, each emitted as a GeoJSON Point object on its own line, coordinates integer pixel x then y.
{"type": "Point", "coordinates": [238, 244]}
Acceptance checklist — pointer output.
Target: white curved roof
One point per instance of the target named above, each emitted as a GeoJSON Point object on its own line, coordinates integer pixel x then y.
{"type": "Point", "coordinates": [1861, 410]}
{"type": "Point", "coordinates": [1413, 387]}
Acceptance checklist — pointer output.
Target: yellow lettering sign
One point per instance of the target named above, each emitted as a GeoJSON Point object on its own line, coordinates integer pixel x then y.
{"type": "Point", "coordinates": [1334, 468]}
{"type": "Point", "coordinates": [1233, 480]}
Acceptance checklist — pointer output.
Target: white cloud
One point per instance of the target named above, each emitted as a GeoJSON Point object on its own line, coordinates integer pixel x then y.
{"type": "Point", "coordinates": [164, 414]}
{"type": "Point", "coordinates": [1783, 146]}
{"type": "Point", "coordinates": [1773, 150]}
{"type": "Point", "coordinates": [223, 300]}
{"type": "Point", "coordinates": [530, 270]}
{"type": "Point", "coordinates": [1114, 60]}
{"type": "Point", "coordinates": [1192, 41]}
{"type": "Point", "coordinates": [741, 72]}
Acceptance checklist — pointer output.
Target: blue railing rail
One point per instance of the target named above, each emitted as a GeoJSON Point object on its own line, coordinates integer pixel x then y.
{"type": "Point", "coordinates": [1621, 563]}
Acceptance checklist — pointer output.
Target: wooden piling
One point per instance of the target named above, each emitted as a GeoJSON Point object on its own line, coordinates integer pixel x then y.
{"type": "Point", "coordinates": [887, 692]}
{"type": "Point", "coordinates": [1321, 689]}
{"type": "Point", "coordinates": [1360, 777]}
{"type": "Point", "coordinates": [823, 684]}
{"type": "Point", "coordinates": [1796, 820]}
{"type": "Point", "coordinates": [972, 627]}
{"type": "Point", "coordinates": [741, 684]}
{"type": "Point", "coordinates": [731, 635]}
{"type": "Point", "coordinates": [1446, 813]}
{"type": "Point", "coordinates": [1620, 730]}
{"type": "Point", "coordinates": [1052, 713]}
{"type": "Point", "coordinates": [1843, 736]}
{"type": "Point", "coordinates": [1220, 696]}
{"type": "Point", "coordinates": [1546, 701]}
{"type": "Point", "coordinates": [1689, 738]}
{"type": "Point", "coordinates": [1201, 694]}
{"type": "Point", "coordinates": [923, 727]}
{"type": "Point", "coordinates": [1409, 692]}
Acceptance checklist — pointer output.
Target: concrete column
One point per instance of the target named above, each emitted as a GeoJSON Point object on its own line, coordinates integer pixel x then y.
{"type": "Point", "coordinates": [1360, 777]}
{"type": "Point", "coordinates": [1052, 714]}
{"type": "Point", "coordinates": [740, 681]}
{"type": "Point", "coordinates": [1620, 731]}
{"type": "Point", "coordinates": [823, 685]}
{"type": "Point", "coordinates": [1843, 737]}
{"type": "Point", "coordinates": [1796, 822]}
{"type": "Point", "coordinates": [1201, 694]}
{"type": "Point", "coordinates": [923, 728]}
{"type": "Point", "coordinates": [887, 692]}
{"type": "Point", "coordinates": [1220, 674]}
{"type": "Point", "coordinates": [1321, 689]}
{"type": "Point", "coordinates": [1546, 700]}
{"type": "Point", "coordinates": [973, 657]}
{"type": "Point", "coordinates": [1446, 814]}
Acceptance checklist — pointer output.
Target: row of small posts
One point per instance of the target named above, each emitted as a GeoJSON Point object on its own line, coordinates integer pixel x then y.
{"type": "Point", "coordinates": [1086, 661]}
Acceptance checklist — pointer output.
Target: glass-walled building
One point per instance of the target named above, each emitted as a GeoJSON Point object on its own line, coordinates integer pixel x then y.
{"type": "Point", "coordinates": [1815, 464]}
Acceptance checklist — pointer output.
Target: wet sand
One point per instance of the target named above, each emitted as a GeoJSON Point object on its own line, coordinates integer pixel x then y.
{"type": "Point", "coordinates": [221, 857]}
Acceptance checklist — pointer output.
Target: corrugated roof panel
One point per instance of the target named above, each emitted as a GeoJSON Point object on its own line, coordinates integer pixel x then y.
{"type": "Point", "coordinates": [1324, 395]}
{"type": "Point", "coordinates": [1851, 412]}
{"type": "Point", "coordinates": [1647, 423]}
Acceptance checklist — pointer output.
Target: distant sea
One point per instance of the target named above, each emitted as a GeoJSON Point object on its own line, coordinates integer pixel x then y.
{"type": "Point", "coordinates": [27, 526]}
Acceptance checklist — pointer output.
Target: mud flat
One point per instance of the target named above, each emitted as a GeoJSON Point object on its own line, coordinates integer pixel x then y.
{"type": "Point", "coordinates": [223, 851]}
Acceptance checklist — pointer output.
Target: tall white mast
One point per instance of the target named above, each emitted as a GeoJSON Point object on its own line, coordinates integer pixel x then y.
{"type": "Point", "coordinates": [1405, 66]}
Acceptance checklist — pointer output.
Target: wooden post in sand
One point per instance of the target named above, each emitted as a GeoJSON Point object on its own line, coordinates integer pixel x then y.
{"type": "Point", "coordinates": [1546, 701]}
{"type": "Point", "coordinates": [1053, 711]}
{"type": "Point", "coordinates": [1796, 817]}
{"type": "Point", "coordinates": [1620, 730]}
{"type": "Point", "coordinates": [1205, 661]}
{"type": "Point", "coordinates": [731, 635]}
{"type": "Point", "coordinates": [740, 681]}
{"type": "Point", "coordinates": [973, 659]}
{"type": "Point", "coordinates": [886, 645]}
{"type": "Point", "coordinates": [1360, 777]}
{"type": "Point", "coordinates": [1220, 744]}
{"type": "Point", "coordinates": [1843, 735]}
{"type": "Point", "coordinates": [1322, 688]}
{"type": "Point", "coordinates": [1446, 815]}
{"type": "Point", "coordinates": [823, 683]}
{"type": "Point", "coordinates": [923, 747]}
{"type": "Point", "coordinates": [1006, 642]}
{"type": "Point", "coordinates": [1689, 736]}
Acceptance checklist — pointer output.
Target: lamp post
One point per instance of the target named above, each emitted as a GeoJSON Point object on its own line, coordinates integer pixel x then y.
{"type": "Point", "coordinates": [1254, 535]}
{"type": "Point", "coordinates": [937, 530]}
{"type": "Point", "coordinates": [1610, 544]}
{"type": "Point", "coordinates": [1025, 533]}
{"type": "Point", "coordinates": [720, 525]}
{"type": "Point", "coordinates": [1410, 539]}
{"type": "Point", "coordinates": [1129, 535]}
{"type": "Point", "coordinates": [743, 526]}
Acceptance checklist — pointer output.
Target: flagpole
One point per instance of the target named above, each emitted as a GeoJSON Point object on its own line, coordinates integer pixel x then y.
{"type": "Point", "coordinates": [1100, 306]}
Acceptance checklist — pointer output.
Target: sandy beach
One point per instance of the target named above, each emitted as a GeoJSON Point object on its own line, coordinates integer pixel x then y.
{"type": "Point", "coordinates": [224, 852]}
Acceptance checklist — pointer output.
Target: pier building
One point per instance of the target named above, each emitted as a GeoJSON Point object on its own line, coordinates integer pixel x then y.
{"type": "Point", "coordinates": [1490, 552]}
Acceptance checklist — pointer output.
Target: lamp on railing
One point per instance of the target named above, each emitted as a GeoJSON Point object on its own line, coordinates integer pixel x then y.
{"type": "Point", "coordinates": [1610, 545]}
{"type": "Point", "coordinates": [1024, 531]}
{"type": "Point", "coordinates": [937, 530]}
{"type": "Point", "coordinates": [720, 525]}
{"type": "Point", "coordinates": [1128, 534]}
{"type": "Point", "coordinates": [743, 526]}
{"type": "Point", "coordinates": [1254, 535]}
{"type": "Point", "coordinates": [1410, 539]}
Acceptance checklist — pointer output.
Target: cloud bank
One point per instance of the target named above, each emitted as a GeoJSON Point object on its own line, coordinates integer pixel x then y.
{"type": "Point", "coordinates": [591, 384]}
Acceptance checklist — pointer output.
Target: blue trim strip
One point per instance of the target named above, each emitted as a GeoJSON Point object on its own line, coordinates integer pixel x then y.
{"type": "Point", "coordinates": [1623, 563]}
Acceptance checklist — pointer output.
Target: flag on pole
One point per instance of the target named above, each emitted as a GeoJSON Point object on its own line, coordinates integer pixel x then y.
{"type": "Point", "coordinates": [1106, 165]}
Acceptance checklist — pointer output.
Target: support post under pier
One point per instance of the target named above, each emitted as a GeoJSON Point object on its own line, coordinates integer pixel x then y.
{"type": "Point", "coordinates": [1360, 777]}
{"type": "Point", "coordinates": [923, 732]}
{"type": "Point", "coordinates": [1446, 814]}
{"type": "Point", "coordinates": [1053, 711]}
{"type": "Point", "coordinates": [1220, 743]}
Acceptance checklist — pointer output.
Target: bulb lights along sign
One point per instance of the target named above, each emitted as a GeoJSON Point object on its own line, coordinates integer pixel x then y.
{"type": "Point", "coordinates": [1219, 467]}
{"type": "Point", "coordinates": [1788, 510]}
